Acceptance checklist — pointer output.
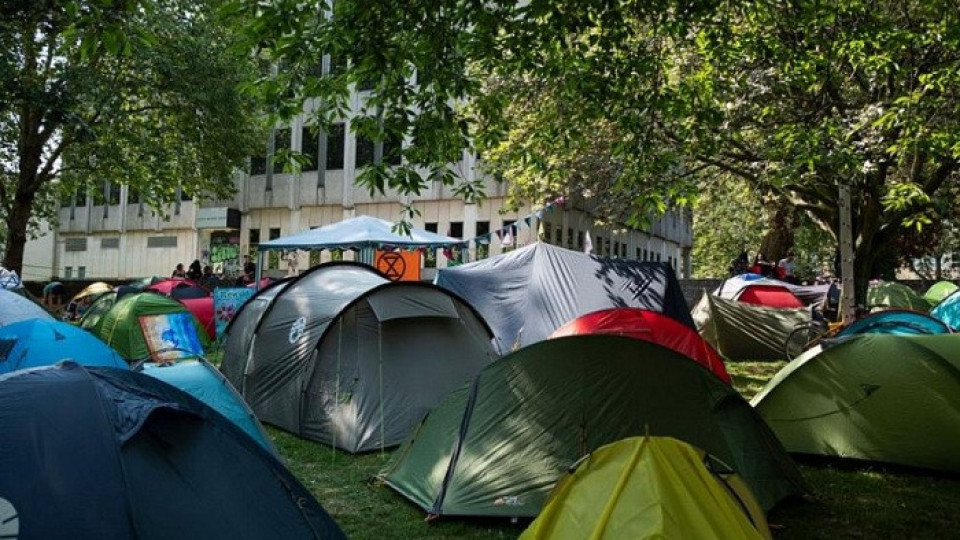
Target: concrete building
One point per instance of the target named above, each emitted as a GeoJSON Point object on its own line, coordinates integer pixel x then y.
{"type": "Point", "coordinates": [120, 238]}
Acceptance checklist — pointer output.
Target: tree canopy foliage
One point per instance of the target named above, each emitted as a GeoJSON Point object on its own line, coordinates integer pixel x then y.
{"type": "Point", "coordinates": [144, 93]}
{"type": "Point", "coordinates": [638, 101]}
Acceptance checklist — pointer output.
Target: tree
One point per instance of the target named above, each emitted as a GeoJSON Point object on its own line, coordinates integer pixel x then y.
{"type": "Point", "coordinates": [794, 97]}
{"type": "Point", "coordinates": [144, 93]}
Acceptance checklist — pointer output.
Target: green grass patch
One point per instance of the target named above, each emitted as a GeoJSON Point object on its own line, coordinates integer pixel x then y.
{"type": "Point", "coordinates": [847, 502]}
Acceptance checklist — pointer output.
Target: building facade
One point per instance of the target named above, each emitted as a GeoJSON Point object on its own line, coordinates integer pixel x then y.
{"type": "Point", "coordinates": [117, 237]}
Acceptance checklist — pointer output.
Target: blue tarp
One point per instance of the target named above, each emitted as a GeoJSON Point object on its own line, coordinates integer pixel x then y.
{"type": "Point", "coordinates": [359, 233]}
{"type": "Point", "coordinates": [41, 342]}
{"type": "Point", "coordinates": [948, 310]}
{"type": "Point", "coordinates": [108, 453]}
{"type": "Point", "coordinates": [202, 381]}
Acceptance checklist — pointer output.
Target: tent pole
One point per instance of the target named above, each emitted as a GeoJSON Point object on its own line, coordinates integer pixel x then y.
{"type": "Point", "coordinates": [380, 364]}
{"type": "Point", "coordinates": [259, 272]}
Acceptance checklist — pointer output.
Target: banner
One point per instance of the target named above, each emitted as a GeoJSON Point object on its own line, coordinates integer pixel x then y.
{"type": "Point", "coordinates": [398, 265]}
{"type": "Point", "coordinates": [226, 303]}
{"type": "Point", "coordinates": [171, 331]}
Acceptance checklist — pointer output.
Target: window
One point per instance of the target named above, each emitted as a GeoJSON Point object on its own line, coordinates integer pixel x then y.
{"type": "Point", "coordinates": [365, 152]}
{"type": "Point", "coordinates": [81, 272]}
{"type": "Point", "coordinates": [81, 197]}
{"type": "Point", "coordinates": [110, 243]}
{"type": "Point", "coordinates": [273, 256]}
{"type": "Point", "coordinates": [75, 244]}
{"type": "Point", "coordinates": [161, 241]}
{"type": "Point", "coordinates": [66, 202]}
{"type": "Point", "coordinates": [335, 147]}
{"type": "Point", "coordinates": [258, 165]}
{"type": "Point", "coordinates": [366, 84]}
{"type": "Point", "coordinates": [310, 147]}
{"type": "Point", "coordinates": [599, 245]}
{"type": "Point", "coordinates": [113, 194]}
{"type": "Point", "coordinates": [184, 196]}
{"type": "Point", "coordinates": [570, 237]}
{"type": "Point", "coordinates": [580, 240]}
{"type": "Point", "coordinates": [456, 229]}
{"type": "Point", "coordinates": [281, 144]}
{"type": "Point", "coordinates": [623, 250]}
{"type": "Point", "coordinates": [67, 272]}
{"type": "Point", "coordinates": [547, 232]}
{"type": "Point", "coordinates": [483, 250]}
{"type": "Point", "coordinates": [338, 64]}
{"type": "Point", "coordinates": [616, 249]}
{"type": "Point", "coordinates": [392, 151]}
{"type": "Point", "coordinates": [644, 254]}
{"type": "Point", "coordinates": [430, 255]}
{"type": "Point", "coordinates": [253, 240]}
{"type": "Point", "coordinates": [558, 236]}
{"type": "Point", "coordinates": [133, 196]}
{"type": "Point", "coordinates": [638, 254]}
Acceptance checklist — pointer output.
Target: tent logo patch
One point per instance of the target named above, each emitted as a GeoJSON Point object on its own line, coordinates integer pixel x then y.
{"type": "Point", "coordinates": [297, 329]}
{"type": "Point", "coordinates": [9, 520]}
{"type": "Point", "coordinates": [509, 500]}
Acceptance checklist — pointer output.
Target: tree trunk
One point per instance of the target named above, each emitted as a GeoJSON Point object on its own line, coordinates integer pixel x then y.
{"type": "Point", "coordinates": [16, 239]}
{"type": "Point", "coordinates": [779, 239]}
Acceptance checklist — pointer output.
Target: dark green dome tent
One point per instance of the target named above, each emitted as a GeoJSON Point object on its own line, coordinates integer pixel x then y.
{"type": "Point", "coordinates": [120, 326]}
{"type": "Point", "coordinates": [741, 331]}
{"type": "Point", "coordinates": [111, 454]}
{"type": "Point", "coordinates": [346, 357]}
{"type": "Point", "coordinates": [877, 397]}
{"type": "Point", "coordinates": [497, 446]}
{"type": "Point", "coordinates": [96, 310]}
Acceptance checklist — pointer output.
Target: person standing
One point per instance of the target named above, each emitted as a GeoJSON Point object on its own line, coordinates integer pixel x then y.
{"type": "Point", "coordinates": [195, 272]}
{"type": "Point", "coordinates": [786, 269]}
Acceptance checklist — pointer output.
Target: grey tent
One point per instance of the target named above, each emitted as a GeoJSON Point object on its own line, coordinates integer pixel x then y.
{"type": "Point", "coordinates": [741, 331]}
{"type": "Point", "coordinates": [344, 356]}
{"type": "Point", "coordinates": [15, 307]}
{"type": "Point", "coordinates": [238, 336]}
{"type": "Point", "coordinates": [498, 446]}
{"type": "Point", "coordinates": [527, 294]}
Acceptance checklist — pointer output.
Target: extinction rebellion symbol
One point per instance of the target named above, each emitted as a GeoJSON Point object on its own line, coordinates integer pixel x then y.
{"type": "Point", "coordinates": [297, 329]}
{"type": "Point", "coordinates": [392, 265]}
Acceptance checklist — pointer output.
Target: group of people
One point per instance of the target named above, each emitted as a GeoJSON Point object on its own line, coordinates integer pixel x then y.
{"type": "Point", "coordinates": [784, 269]}
{"type": "Point", "coordinates": [207, 279]}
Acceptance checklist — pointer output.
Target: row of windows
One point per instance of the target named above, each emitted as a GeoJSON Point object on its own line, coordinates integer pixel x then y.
{"type": "Point", "coordinates": [602, 245]}
{"type": "Point", "coordinates": [110, 196]}
{"type": "Point", "coordinates": [333, 146]}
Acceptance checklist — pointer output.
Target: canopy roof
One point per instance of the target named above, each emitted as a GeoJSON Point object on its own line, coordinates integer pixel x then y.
{"type": "Point", "coordinates": [358, 233]}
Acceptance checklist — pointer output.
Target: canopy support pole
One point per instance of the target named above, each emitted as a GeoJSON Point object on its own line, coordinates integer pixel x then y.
{"type": "Point", "coordinates": [259, 272]}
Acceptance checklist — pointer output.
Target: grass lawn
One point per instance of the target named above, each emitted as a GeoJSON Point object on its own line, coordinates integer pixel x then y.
{"type": "Point", "coordinates": [847, 502]}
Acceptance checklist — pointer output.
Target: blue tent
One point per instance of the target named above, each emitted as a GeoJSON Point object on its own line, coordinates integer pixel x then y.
{"type": "Point", "coordinates": [202, 381]}
{"type": "Point", "coordinates": [897, 322]}
{"type": "Point", "coordinates": [14, 307]}
{"type": "Point", "coordinates": [948, 310]}
{"type": "Point", "coordinates": [108, 453]}
{"type": "Point", "coordinates": [41, 342]}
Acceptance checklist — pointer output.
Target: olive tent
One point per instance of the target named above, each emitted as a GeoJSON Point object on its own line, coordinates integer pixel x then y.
{"type": "Point", "coordinates": [91, 316]}
{"type": "Point", "coordinates": [890, 294]}
{"type": "Point", "coordinates": [527, 294]}
{"type": "Point", "coordinates": [497, 447]}
{"type": "Point", "coordinates": [895, 321]}
{"type": "Point", "coordinates": [120, 327]}
{"type": "Point", "coordinates": [14, 307]}
{"type": "Point", "coordinates": [344, 356]}
{"type": "Point", "coordinates": [938, 291]}
{"type": "Point", "coordinates": [876, 397]}
{"type": "Point", "coordinates": [109, 453]}
{"type": "Point", "coordinates": [649, 326]}
{"type": "Point", "coordinates": [625, 489]}
{"type": "Point", "coordinates": [744, 332]}
{"type": "Point", "coordinates": [43, 342]}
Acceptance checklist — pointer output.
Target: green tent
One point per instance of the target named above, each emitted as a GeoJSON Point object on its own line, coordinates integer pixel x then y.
{"type": "Point", "coordinates": [498, 446]}
{"type": "Point", "coordinates": [624, 490]}
{"type": "Point", "coordinates": [938, 291]}
{"type": "Point", "coordinates": [877, 397]}
{"type": "Point", "coordinates": [120, 326]}
{"type": "Point", "coordinates": [95, 311]}
{"type": "Point", "coordinates": [741, 331]}
{"type": "Point", "coordinates": [890, 294]}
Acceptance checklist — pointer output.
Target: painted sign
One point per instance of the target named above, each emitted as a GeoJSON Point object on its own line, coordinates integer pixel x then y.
{"type": "Point", "coordinates": [218, 218]}
{"type": "Point", "coordinates": [226, 303]}
{"type": "Point", "coordinates": [398, 265]}
{"type": "Point", "coordinates": [171, 336]}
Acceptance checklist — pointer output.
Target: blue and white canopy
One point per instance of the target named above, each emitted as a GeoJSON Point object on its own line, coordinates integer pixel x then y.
{"type": "Point", "coordinates": [359, 233]}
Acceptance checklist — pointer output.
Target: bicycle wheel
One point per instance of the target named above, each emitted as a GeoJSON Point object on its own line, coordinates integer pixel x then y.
{"type": "Point", "coordinates": [802, 338]}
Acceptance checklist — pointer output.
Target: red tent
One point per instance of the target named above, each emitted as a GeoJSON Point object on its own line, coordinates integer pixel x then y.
{"type": "Point", "coordinates": [202, 309]}
{"type": "Point", "coordinates": [165, 286]}
{"type": "Point", "coordinates": [767, 295]}
{"type": "Point", "coordinates": [648, 326]}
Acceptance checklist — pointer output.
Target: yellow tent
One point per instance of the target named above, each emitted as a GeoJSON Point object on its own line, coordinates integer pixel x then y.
{"type": "Point", "coordinates": [97, 288]}
{"type": "Point", "coordinates": [650, 487]}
